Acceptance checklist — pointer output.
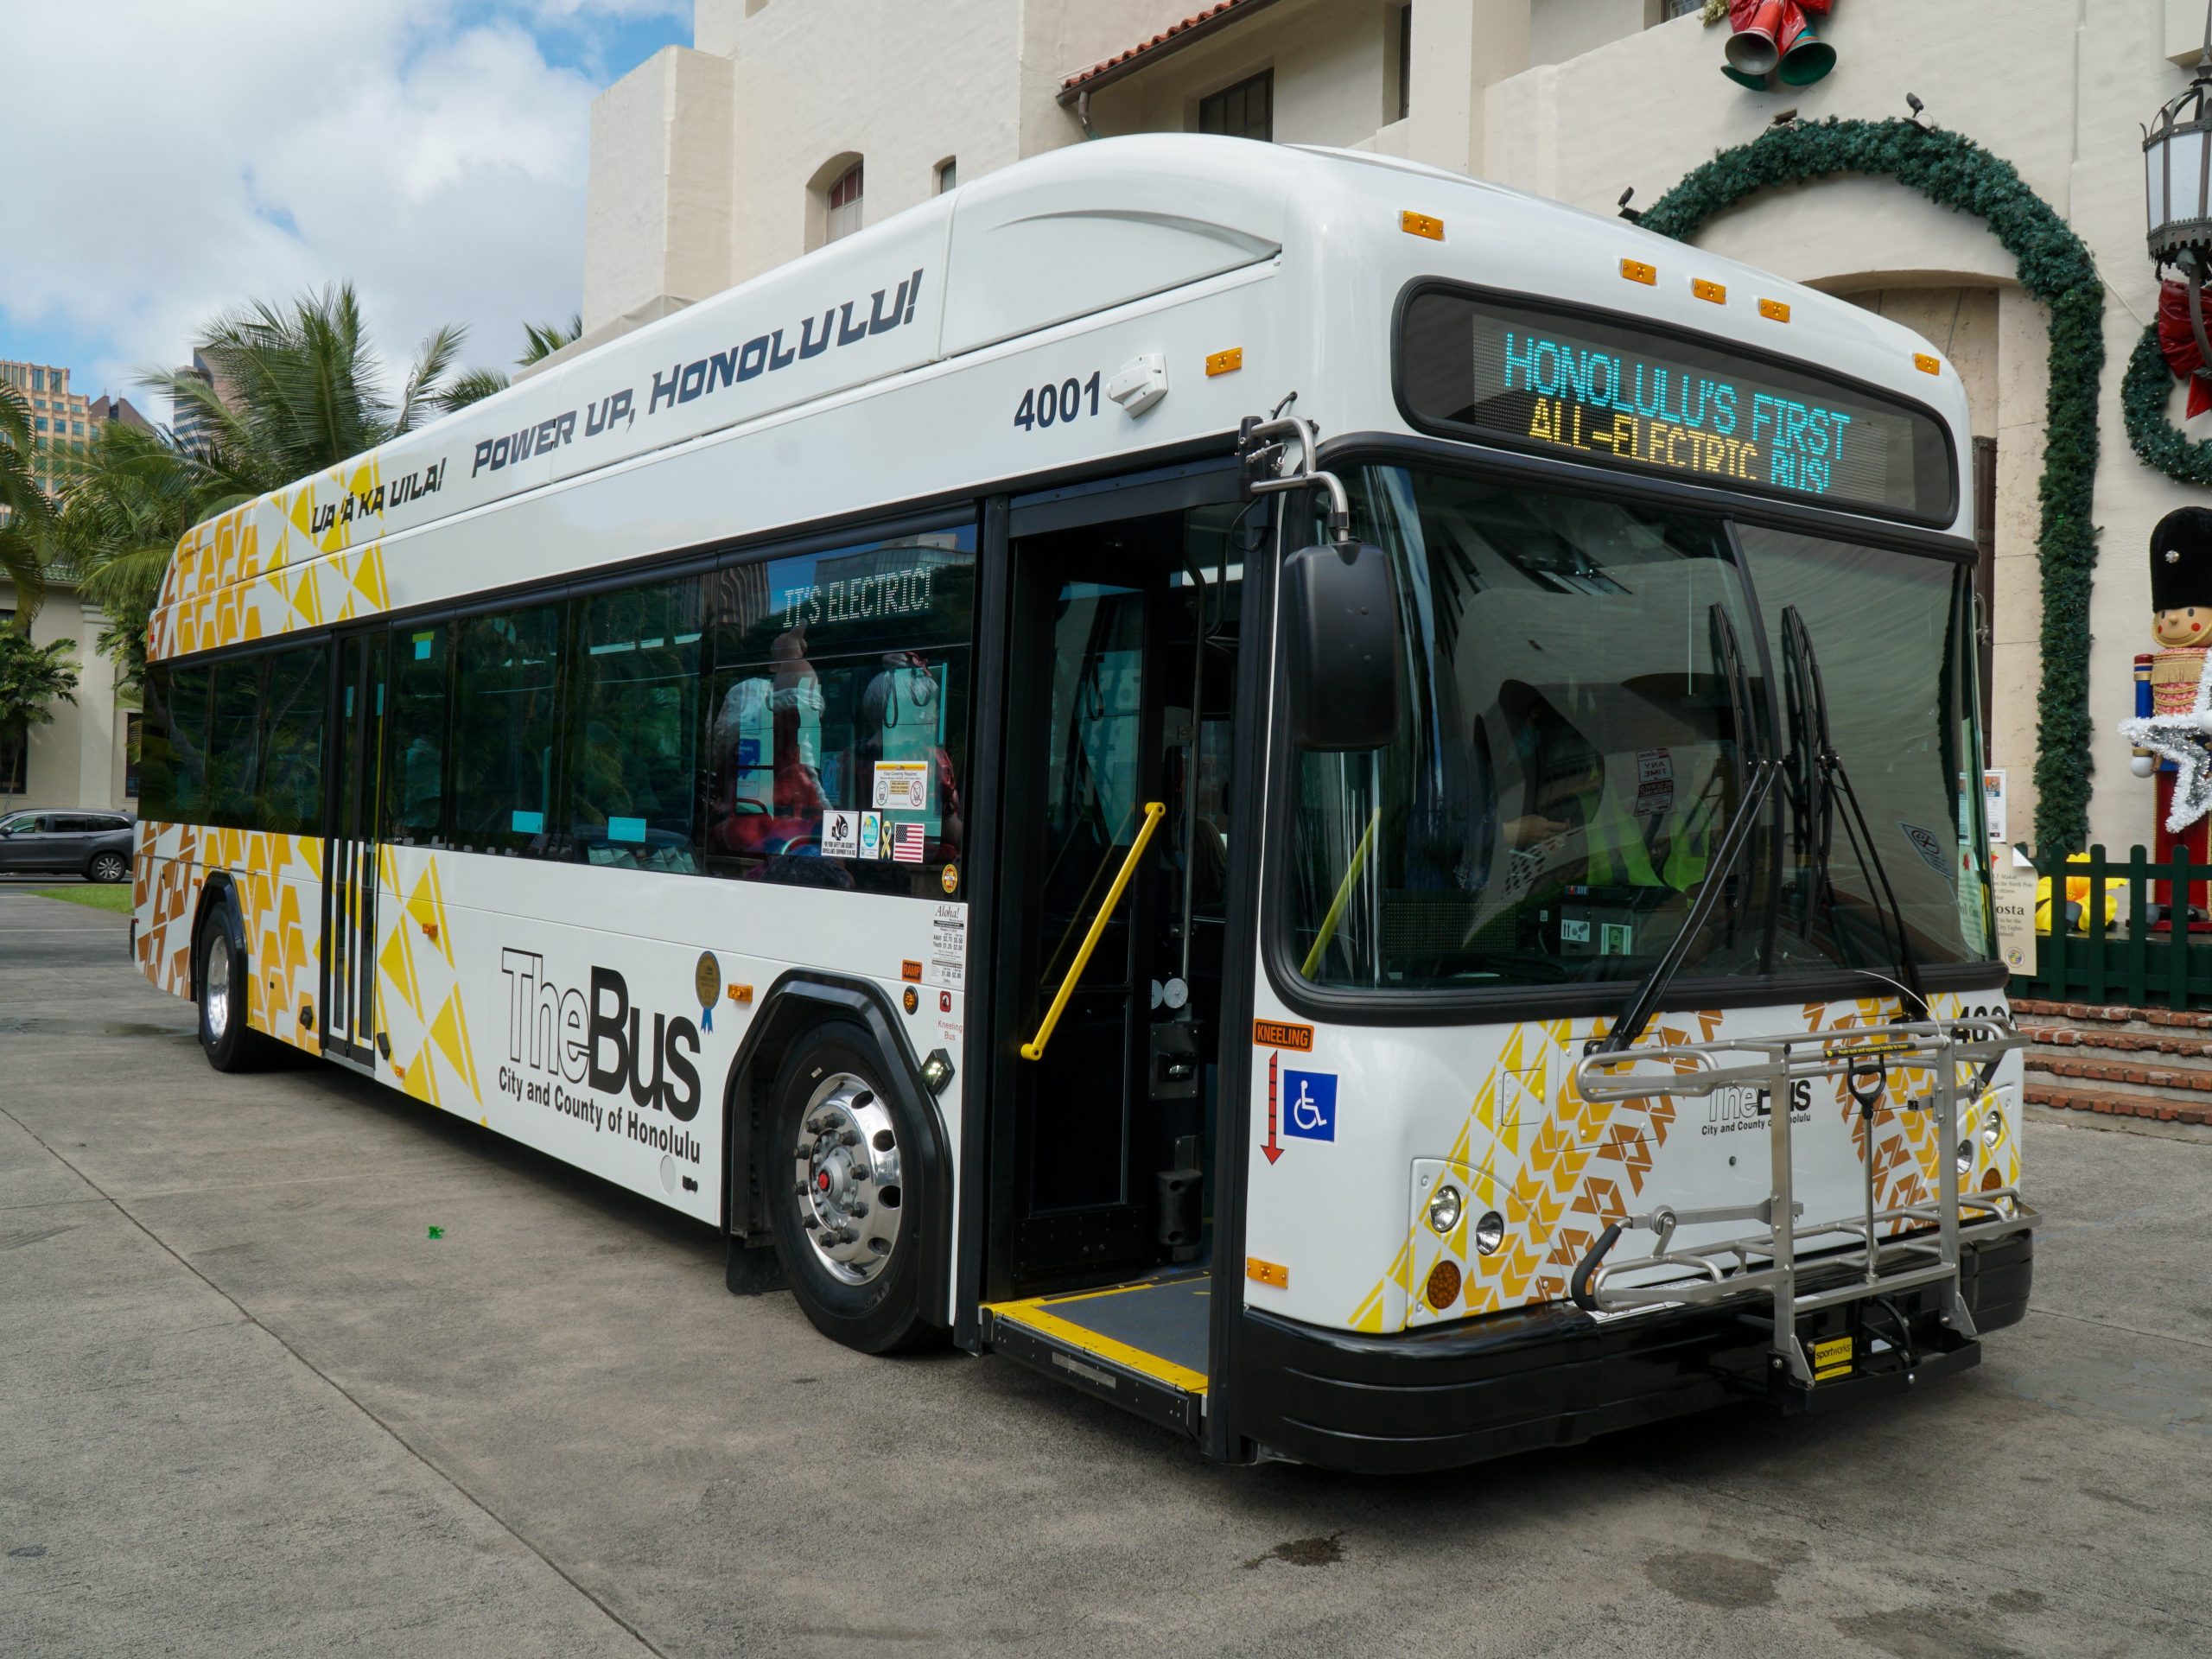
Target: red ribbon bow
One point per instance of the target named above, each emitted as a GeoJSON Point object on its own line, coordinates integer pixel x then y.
{"type": "Point", "coordinates": [2177, 343]}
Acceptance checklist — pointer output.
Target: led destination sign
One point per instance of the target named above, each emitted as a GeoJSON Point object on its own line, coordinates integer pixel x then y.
{"type": "Point", "coordinates": [1613, 394]}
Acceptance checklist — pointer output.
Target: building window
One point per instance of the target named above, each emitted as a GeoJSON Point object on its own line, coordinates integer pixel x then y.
{"type": "Point", "coordinates": [1405, 62]}
{"type": "Point", "coordinates": [42, 420]}
{"type": "Point", "coordinates": [38, 382]}
{"type": "Point", "coordinates": [948, 173]}
{"type": "Point", "coordinates": [844, 203]}
{"type": "Point", "coordinates": [1671, 9]}
{"type": "Point", "coordinates": [13, 747]}
{"type": "Point", "coordinates": [1244, 111]}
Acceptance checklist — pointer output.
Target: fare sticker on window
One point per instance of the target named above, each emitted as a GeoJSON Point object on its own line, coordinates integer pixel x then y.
{"type": "Point", "coordinates": [902, 785]}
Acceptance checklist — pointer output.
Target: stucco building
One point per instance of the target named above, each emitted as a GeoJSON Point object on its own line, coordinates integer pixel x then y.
{"type": "Point", "coordinates": [84, 757]}
{"type": "Point", "coordinates": [713, 163]}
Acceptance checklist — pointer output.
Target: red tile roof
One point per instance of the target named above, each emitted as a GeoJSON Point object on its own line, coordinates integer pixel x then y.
{"type": "Point", "coordinates": [1174, 36]}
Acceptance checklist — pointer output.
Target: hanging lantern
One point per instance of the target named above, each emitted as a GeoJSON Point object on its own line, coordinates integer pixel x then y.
{"type": "Point", "coordinates": [2177, 196]}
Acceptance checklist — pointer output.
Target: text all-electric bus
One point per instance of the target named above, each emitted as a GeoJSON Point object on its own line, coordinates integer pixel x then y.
{"type": "Point", "coordinates": [1330, 802]}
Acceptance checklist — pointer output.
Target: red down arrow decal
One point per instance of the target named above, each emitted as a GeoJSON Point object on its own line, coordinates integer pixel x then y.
{"type": "Point", "coordinates": [1273, 1148]}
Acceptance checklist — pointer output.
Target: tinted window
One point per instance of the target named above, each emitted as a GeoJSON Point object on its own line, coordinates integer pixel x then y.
{"type": "Point", "coordinates": [415, 794]}
{"type": "Point", "coordinates": [633, 738]}
{"type": "Point", "coordinates": [289, 798]}
{"type": "Point", "coordinates": [506, 728]}
{"type": "Point", "coordinates": [234, 739]}
{"type": "Point", "coordinates": [173, 745]}
{"type": "Point", "coordinates": [1579, 690]}
{"type": "Point", "coordinates": [837, 715]}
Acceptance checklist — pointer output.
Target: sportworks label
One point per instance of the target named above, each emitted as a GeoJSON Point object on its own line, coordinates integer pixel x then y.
{"type": "Point", "coordinates": [559, 1037]}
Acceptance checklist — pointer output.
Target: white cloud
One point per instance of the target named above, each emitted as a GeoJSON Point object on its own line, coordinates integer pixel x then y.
{"type": "Point", "coordinates": [172, 160]}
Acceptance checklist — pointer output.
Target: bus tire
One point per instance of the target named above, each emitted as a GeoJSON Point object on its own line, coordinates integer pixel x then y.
{"type": "Point", "coordinates": [839, 1170]}
{"type": "Point", "coordinates": [226, 1037]}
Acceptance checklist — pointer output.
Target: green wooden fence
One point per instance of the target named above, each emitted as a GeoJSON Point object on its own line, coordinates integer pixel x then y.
{"type": "Point", "coordinates": [2125, 959]}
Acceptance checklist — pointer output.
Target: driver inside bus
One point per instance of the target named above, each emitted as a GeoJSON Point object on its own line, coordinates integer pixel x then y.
{"type": "Point", "coordinates": [1639, 833]}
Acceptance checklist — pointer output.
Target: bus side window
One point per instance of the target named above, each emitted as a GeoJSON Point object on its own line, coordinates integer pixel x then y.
{"type": "Point", "coordinates": [235, 740]}
{"type": "Point", "coordinates": [173, 781]}
{"type": "Point", "coordinates": [415, 775]}
{"type": "Point", "coordinates": [507, 724]}
{"type": "Point", "coordinates": [634, 727]}
{"type": "Point", "coordinates": [836, 714]}
{"type": "Point", "coordinates": [290, 800]}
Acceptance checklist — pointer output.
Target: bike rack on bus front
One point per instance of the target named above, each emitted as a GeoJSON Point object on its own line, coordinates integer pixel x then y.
{"type": "Point", "coordinates": [1769, 1263]}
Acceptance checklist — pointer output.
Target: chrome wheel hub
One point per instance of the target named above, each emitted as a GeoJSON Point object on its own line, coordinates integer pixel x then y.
{"type": "Point", "coordinates": [848, 1179]}
{"type": "Point", "coordinates": [215, 994]}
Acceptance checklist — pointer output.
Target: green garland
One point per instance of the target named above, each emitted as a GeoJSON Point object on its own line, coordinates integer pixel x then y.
{"type": "Point", "coordinates": [2056, 269]}
{"type": "Point", "coordinates": [2142, 397]}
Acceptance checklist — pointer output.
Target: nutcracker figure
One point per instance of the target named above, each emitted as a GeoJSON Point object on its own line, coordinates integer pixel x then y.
{"type": "Point", "coordinates": [2172, 716]}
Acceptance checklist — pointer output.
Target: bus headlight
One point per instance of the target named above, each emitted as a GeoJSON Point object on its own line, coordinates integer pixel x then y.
{"type": "Point", "coordinates": [1993, 1128]}
{"type": "Point", "coordinates": [1489, 1232]}
{"type": "Point", "coordinates": [1966, 1156]}
{"type": "Point", "coordinates": [1446, 1206]}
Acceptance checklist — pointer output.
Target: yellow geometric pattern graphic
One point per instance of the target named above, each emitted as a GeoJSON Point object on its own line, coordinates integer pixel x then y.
{"type": "Point", "coordinates": [418, 1002]}
{"type": "Point", "coordinates": [1559, 1170]}
{"type": "Point", "coordinates": [1908, 1142]}
{"type": "Point", "coordinates": [277, 598]}
{"type": "Point", "coordinates": [277, 884]}
{"type": "Point", "coordinates": [1557, 1173]}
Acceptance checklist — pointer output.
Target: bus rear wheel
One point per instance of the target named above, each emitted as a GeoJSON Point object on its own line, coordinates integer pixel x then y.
{"type": "Point", "coordinates": [229, 1042]}
{"type": "Point", "coordinates": [846, 1219]}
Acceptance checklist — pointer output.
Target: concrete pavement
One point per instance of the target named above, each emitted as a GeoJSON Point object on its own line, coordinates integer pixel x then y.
{"type": "Point", "coordinates": [249, 1405]}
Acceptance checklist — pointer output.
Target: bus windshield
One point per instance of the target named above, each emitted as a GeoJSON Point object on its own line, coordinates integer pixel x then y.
{"type": "Point", "coordinates": [1588, 686]}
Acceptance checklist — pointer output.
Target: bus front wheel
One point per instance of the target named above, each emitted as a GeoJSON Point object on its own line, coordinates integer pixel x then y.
{"type": "Point", "coordinates": [844, 1197]}
{"type": "Point", "coordinates": [229, 1042]}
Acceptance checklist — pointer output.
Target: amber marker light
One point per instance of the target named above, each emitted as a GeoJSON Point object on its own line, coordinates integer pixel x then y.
{"type": "Point", "coordinates": [1226, 362]}
{"type": "Point", "coordinates": [1267, 1272]}
{"type": "Point", "coordinates": [1443, 1287]}
{"type": "Point", "coordinates": [1636, 271]}
{"type": "Point", "coordinates": [1413, 223]}
{"type": "Point", "coordinates": [1926, 364]}
{"type": "Point", "coordinates": [1774, 310]}
{"type": "Point", "coordinates": [1712, 292]}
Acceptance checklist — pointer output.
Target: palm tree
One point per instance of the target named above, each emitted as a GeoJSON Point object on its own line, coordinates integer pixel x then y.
{"type": "Point", "coordinates": [541, 340]}
{"type": "Point", "coordinates": [299, 387]}
{"type": "Point", "coordinates": [26, 516]}
{"type": "Point", "coordinates": [125, 504]}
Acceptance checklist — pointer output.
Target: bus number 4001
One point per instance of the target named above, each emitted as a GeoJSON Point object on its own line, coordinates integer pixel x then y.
{"type": "Point", "coordinates": [1043, 405]}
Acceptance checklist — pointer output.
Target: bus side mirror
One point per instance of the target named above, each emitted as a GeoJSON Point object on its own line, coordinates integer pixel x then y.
{"type": "Point", "coordinates": [1340, 647]}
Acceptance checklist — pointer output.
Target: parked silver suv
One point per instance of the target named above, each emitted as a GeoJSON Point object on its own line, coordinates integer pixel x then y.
{"type": "Point", "coordinates": [82, 841]}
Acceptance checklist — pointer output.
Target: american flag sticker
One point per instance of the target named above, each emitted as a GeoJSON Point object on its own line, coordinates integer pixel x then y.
{"type": "Point", "coordinates": [907, 843]}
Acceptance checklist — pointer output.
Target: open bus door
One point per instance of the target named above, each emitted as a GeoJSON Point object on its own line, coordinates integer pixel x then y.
{"type": "Point", "coordinates": [354, 785]}
{"type": "Point", "coordinates": [1108, 959]}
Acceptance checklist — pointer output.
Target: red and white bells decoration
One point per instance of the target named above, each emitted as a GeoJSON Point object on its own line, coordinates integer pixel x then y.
{"type": "Point", "coordinates": [1774, 44]}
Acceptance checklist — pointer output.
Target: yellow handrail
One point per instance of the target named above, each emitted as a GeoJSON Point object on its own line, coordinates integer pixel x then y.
{"type": "Point", "coordinates": [1154, 812]}
{"type": "Point", "coordinates": [1344, 895]}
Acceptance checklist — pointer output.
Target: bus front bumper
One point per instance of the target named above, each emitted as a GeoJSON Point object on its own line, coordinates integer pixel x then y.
{"type": "Point", "coordinates": [1551, 1375]}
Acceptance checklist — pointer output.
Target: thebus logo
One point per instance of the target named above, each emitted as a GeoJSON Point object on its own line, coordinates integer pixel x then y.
{"type": "Point", "coordinates": [1747, 1107]}
{"type": "Point", "coordinates": [599, 1038]}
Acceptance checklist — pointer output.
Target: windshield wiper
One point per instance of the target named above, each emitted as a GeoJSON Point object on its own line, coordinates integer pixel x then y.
{"type": "Point", "coordinates": [1755, 777]}
{"type": "Point", "coordinates": [1826, 781]}
{"type": "Point", "coordinates": [1734, 840]}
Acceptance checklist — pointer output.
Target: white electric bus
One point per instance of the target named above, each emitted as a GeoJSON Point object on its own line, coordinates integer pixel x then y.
{"type": "Point", "coordinates": [1245, 774]}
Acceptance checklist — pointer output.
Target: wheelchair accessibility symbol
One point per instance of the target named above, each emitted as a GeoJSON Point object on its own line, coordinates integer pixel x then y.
{"type": "Point", "coordinates": [1309, 1104]}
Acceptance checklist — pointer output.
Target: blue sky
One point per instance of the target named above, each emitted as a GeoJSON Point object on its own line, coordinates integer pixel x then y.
{"type": "Point", "coordinates": [185, 158]}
